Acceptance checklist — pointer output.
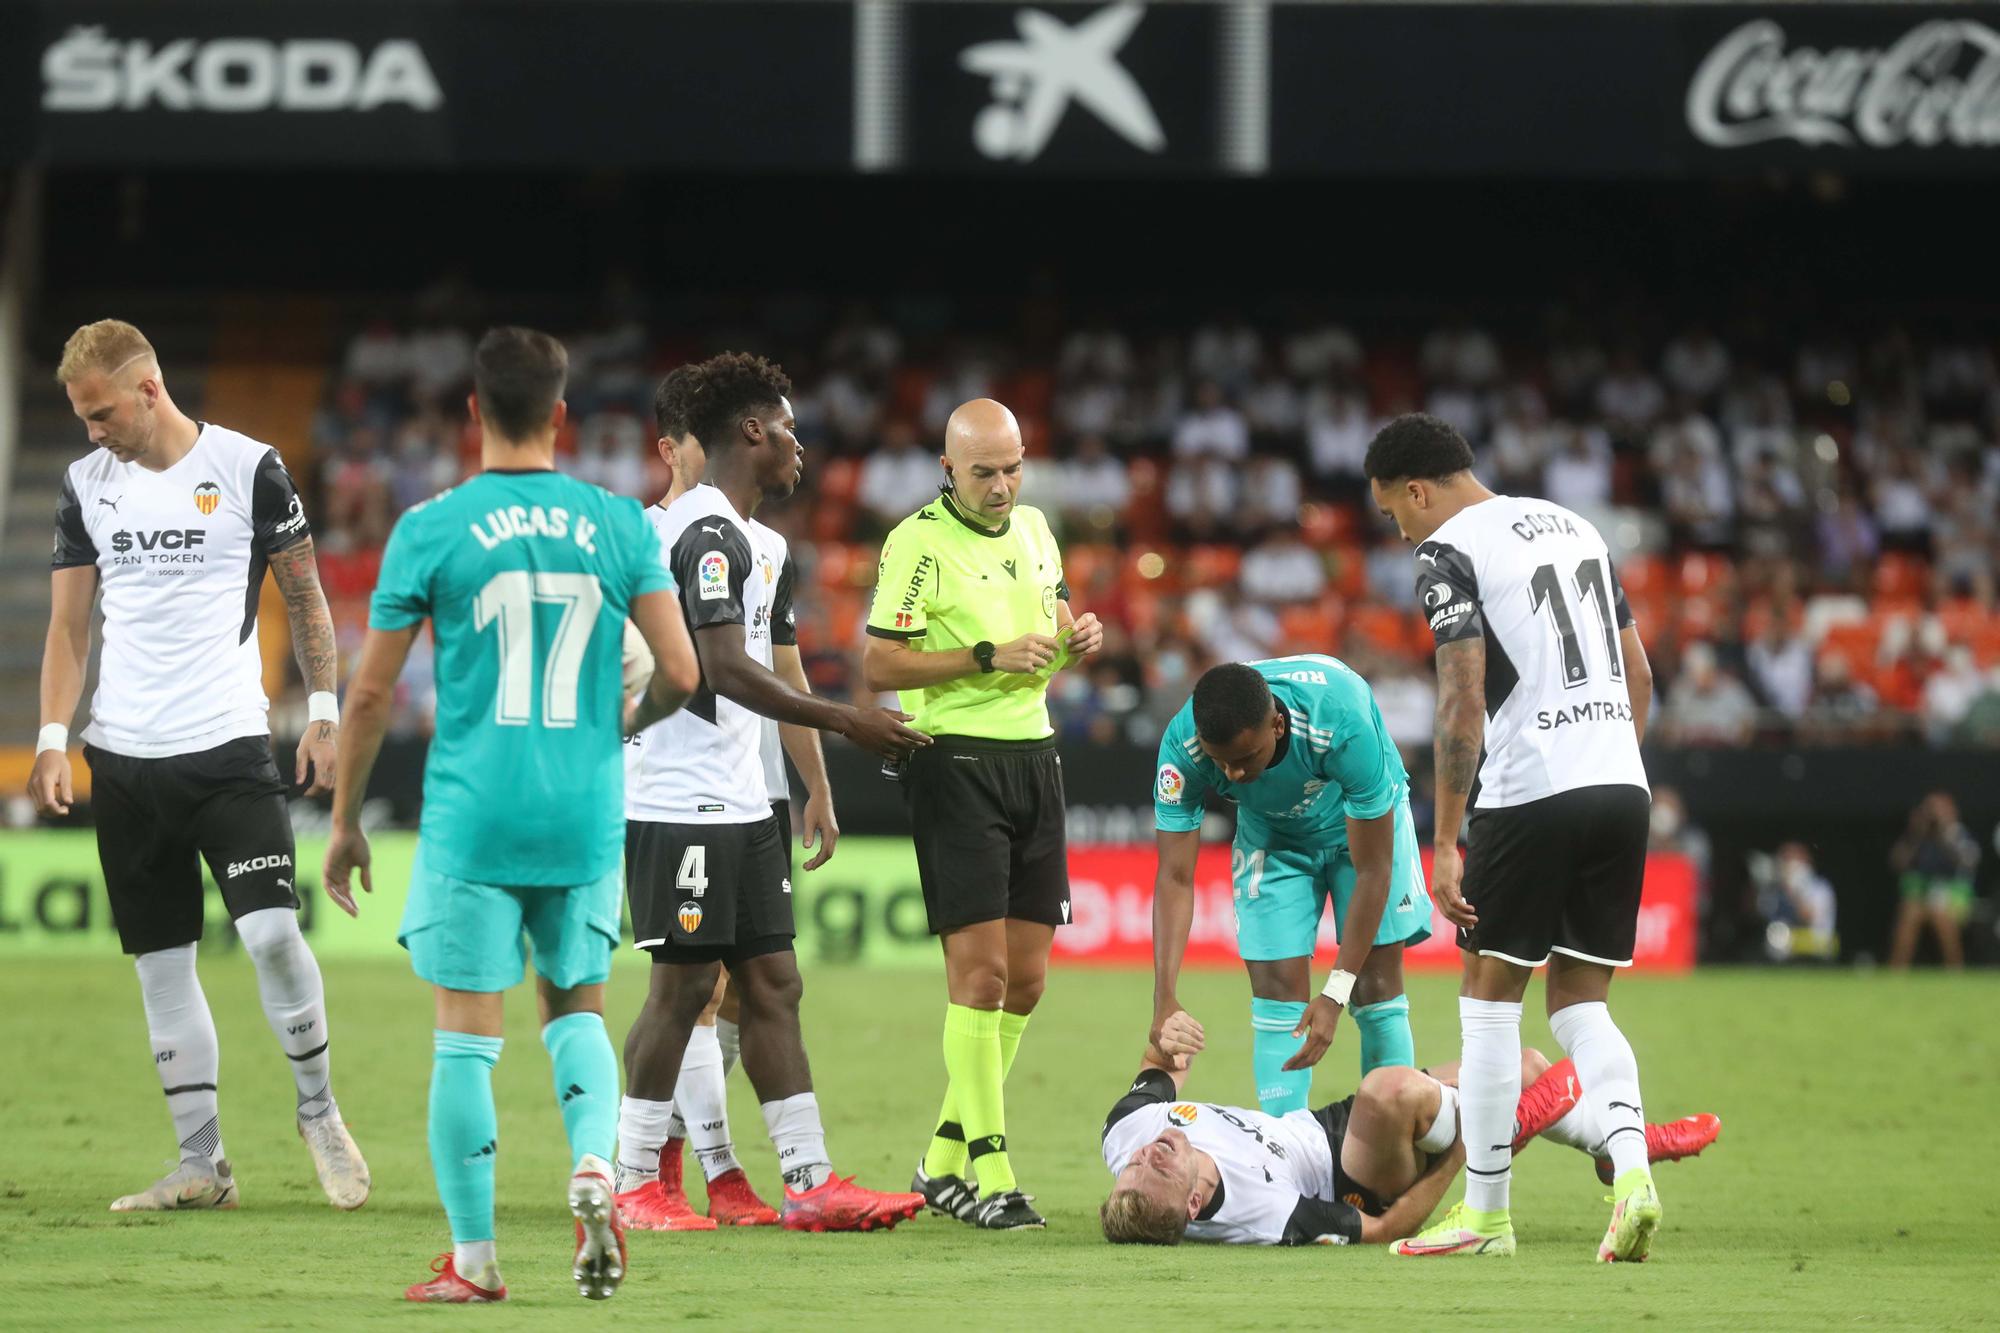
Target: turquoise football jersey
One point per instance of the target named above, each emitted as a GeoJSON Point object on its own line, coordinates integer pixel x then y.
{"type": "Point", "coordinates": [1338, 761]}
{"type": "Point", "coordinates": [527, 579]}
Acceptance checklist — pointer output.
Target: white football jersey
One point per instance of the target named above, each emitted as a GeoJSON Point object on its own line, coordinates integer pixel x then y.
{"type": "Point", "coordinates": [704, 765]}
{"type": "Point", "coordinates": [1536, 581]}
{"type": "Point", "coordinates": [181, 555]}
{"type": "Point", "coordinates": [1276, 1171]}
{"type": "Point", "coordinates": [771, 545]}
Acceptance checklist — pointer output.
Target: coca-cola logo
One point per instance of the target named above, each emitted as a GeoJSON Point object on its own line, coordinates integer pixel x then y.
{"type": "Point", "coordinates": [1938, 84]}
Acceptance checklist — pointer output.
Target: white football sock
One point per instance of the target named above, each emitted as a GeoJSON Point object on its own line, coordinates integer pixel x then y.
{"type": "Point", "coordinates": [642, 1129]}
{"type": "Point", "coordinates": [288, 983]}
{"type": "Point", "coordinates": [800, 1139]}
{"type": "Point", "coordinates": [477, 1262]}
{"type": "Point", "coordinates": [1489, 1086]}
{"type": "Point", "coordinates": [185, 1054]}
{"type": "Point", "coordinates": [700, 1099]}
{"type": "Point", "coordinates": [730, 1038]}
{"type": "Point", "coordinates": [1609, 1073]}
{"type": "Point", "coordinates": [1577, 1129]}
{"type": "Point", "coordinates": [1445, 1127]}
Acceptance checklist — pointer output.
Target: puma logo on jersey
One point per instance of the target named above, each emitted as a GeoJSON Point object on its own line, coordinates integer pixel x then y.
{"type": "Point", "coordinates": [113, 503]}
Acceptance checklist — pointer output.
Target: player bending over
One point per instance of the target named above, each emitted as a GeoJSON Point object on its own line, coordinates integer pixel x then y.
{"type": "Point", "coordinates": [1298, 745]}
{"type": "Point", "coordinates": [1364, 1170]}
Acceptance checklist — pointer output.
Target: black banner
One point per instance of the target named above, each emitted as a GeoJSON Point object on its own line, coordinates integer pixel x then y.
{"type": "Point", "coordinates": [1097, 89]}
{"type": "Point", "coordinates": [585, 83]}
{"type": "Point", "coordinates": [1633, 90]}
{"type": "Point", "coordinates": [1103, 89]}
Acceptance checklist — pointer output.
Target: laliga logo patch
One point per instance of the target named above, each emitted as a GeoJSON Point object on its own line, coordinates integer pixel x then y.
{"type": "Point", "coordinates": [690, 917]}
{"type": "Point", "coordinates": [207, 496]}
{"type": "Point", "coordinates": [714, 576]}
{"type": "Point", "coordinates": [1049, 599]}
{"type": "Point", "coordinates": [1183, 1114]}
{"type": "Point", "coordinates": [1171, 783]}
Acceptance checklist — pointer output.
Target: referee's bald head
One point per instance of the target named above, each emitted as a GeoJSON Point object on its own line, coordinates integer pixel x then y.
{"type": "Point", "coordinates": [982, 458]}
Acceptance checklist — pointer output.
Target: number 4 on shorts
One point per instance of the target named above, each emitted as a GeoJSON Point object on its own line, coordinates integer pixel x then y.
{"type": "Point", "coordinates": [693, 877]}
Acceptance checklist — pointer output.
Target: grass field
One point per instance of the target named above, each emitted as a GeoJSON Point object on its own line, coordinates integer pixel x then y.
{"type": "Point", "coordinates": [1854, 1183]}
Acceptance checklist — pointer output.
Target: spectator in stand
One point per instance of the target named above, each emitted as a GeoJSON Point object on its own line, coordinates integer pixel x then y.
{"type": "Point", "coordinates": [1271, 492]}
{"type": "Point", "coordinates": [379, 360]}
{"type": "Point", "coordinates": [1771, 506]}
{"type": "Point", "coordinates": [1282, 568]}
{"type": "Point", "coordinates": [1707, 706]}
{"type": "Point", "coordinates": [1902, 502]}
{"type": "Point", "coordinates": [1202, 496]}
{"type": "Point", "coordinates": [1227, 352]}
{"type": "Point", "coordinates": [1458, 353]}
{"type": "Point", "coordinates": [1958, 374]}
{"type": "Point", "coordinates": [1629, 399]}
{"type": "Point", "coordinates": [1842, 708]}
{"type": "Point", "coordinates": [1684, 426]}
{"type": "Point", "coordinates": [898, 477]}
{"type": "Point", "coordinates": [1097, 351]}
{"type": "Point", "coordinates": [1781, 669]}
{"type": "Point", "coordinates": [1798, 906]}
{"type": "Point", "coordinates": [1407, 697]}
{"type": "Point", "coordinates": [1699, 501]}
{"type": "Point", "coordinates": [1273, 409]}
{"type": "Point", "coordinates": [849, 398]}
{"type": "Point", "coordinates": [1339, 427]}
{"type": "Point", "coordinates": [1576, 363]}
{"type": "Point", "coordinates": [1935, 859]}
{"type": "Point", "coordinates": [863, 342]}
{"type": "Point", "coordinates": [1962, 534]}
{"type": "Point", "coordinates": [1578, 474]}
{"type": "Point", "coordinates": [1670, 831]}
{"type": "Point", "coordinates": [1696, 364]}
{"type": "Point", "coordinates": [1523, 441]}
{"type": "Point", "coordinates": [1091, 490]}
{"type": "Point", "coordinates": [424, 461]}
{"type": "Point", "coordinates": [1230, 629]}
{"type": "Point", "coordinates": [611, 452]}
{"type": "Point", "coordinates": [1089, 404]}
{"type": "Point", "coordinates": [1157, 394]}
{"type": "Point", "coordinates": [1950, 693]}
{"type": "Point", "coordinates": [966, 377]}
{"type": "Point", "coordinates": [1212, 428]}
{"type": "Point", "coordinates": [1755, 399]}
{"type": "Point", "coordinates": [1981, 724]}
{"type": "Point", "coordinates": [440, 363]}
{"type": "Point", "coordinates": [1327, 351]}
{"type": "Point", "coordinates": [1848, 543]}
{"type": "Point", "coordinates": [355, 492]}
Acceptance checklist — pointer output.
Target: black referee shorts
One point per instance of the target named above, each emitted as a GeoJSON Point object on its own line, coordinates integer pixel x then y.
{"type": "Point", "coordinates": [988, 821]}
{"type": "Point", "coordinates": [159, 819]}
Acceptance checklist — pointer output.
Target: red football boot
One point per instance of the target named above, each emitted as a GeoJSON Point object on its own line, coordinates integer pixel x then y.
{"type": "Point", "coordinates": [732, 1203]}
{"type": "Point", "coordinates": [448, 1288]}
{"type": "Point", "coordinates": [1545, 1101]}
{"type": "Point", "coordinates": [651, 1208]}
{"type": "Point", "coordinates": [1672, 1141]}
{"type": "Point", "coordinates": [841, 1205]}
{"type": "Point", "coordinates": [670, 1168]}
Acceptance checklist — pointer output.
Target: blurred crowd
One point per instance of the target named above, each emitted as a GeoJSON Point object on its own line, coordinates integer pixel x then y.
{"type": "Point", "coordinates": [1805, 524]}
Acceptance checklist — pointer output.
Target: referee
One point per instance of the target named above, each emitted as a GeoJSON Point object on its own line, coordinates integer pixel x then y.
{"type": "Point", "coordinates": [971, 619]}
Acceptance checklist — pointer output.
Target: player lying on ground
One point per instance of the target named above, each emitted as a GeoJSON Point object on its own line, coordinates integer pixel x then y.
{"type": "Point", "coordinates": [1365, 1170]}
{"type": "Point", "coordinates": [1298, 745]}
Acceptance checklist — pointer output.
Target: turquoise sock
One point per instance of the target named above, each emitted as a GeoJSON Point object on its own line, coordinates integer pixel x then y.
{"type": "Point", "coordinates": [1271, 1044]}
{"type": "Point", "coordinates": [586, 1082]}
{"type": "Point", "coordinates": [464, 1130]}
{"type": "Point", "coordinates": [1385, 1034]}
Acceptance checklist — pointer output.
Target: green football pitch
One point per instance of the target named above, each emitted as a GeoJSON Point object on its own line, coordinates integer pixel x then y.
{"type": "Point", "coordinates": [1855, 1182]}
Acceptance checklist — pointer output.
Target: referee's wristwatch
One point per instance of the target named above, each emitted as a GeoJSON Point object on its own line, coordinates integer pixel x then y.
{"type": "Point", "coordinates": [982, 653]}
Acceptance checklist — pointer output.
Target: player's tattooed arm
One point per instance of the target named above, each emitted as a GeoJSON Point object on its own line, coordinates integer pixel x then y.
{"type": "Point", "coordinates": [1461, 713]}
{"type": "Point", "coordinates": [312, 621]}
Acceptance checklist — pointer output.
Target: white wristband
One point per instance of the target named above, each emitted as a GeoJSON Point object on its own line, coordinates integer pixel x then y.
{"type": "Point", "coordinates": [1338, 987]}
{"type": "Point", "coordinates": [322, 706]}
{"type": "Point", "coordinates": [55, 736]}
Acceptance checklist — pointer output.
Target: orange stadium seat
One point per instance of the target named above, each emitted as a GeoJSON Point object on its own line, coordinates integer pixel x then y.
{"type": "Point", "coordinates": [1381, 628]}
{"type": "Point", "coordinates": [1146, 512]}
{"type": "Point", "coordinates": [1349, 566]}
{"type": "Point", "coordinates": [838, 481]}
{"type": "Point", "coordinates": [1858, 643]}
{"type": "Point", "coordinates": [1641, 575]}
{"type": "Point", "coordinates": [1900, 577]}
{"type": "Point", "coordinates": [1085, 564]}
{"type": "Point", "coordinates": [1211, 566]}
{"type": "Point", "coordinates": [1702, 573]}
{"type": "Point", "coordinates": [1312, 627]}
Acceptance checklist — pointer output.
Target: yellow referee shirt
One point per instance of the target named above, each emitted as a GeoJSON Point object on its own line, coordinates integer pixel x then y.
{"type": "Point", "coordinates": [948, 581]}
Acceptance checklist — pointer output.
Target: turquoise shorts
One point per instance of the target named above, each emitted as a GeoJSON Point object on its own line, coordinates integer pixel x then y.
{"type": "Point", "coordinates": [1281, 892]}
{"type": "Point", "coordinates": [476, 937]}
